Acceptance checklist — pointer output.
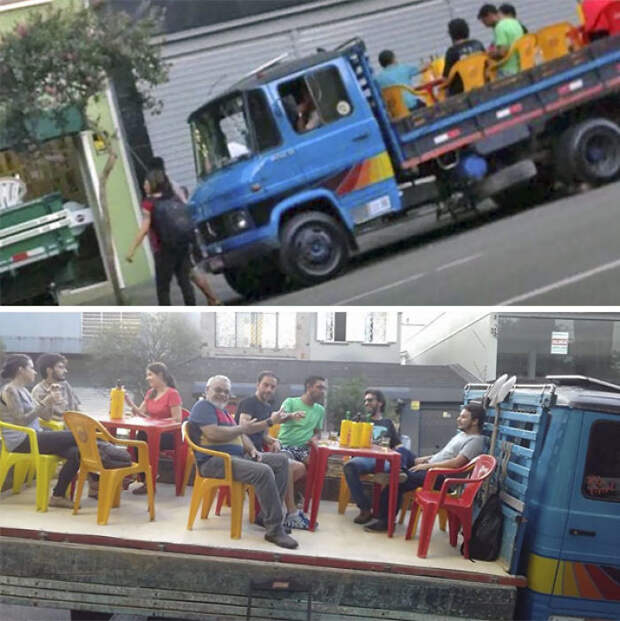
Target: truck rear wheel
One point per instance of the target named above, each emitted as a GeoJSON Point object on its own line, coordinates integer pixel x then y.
{"type": "Point", "coordinates": [259, 278]}
{"type": "Point", "coordinates": [314, 247]}
{"type": "Point", "coordinates": [590, 152]}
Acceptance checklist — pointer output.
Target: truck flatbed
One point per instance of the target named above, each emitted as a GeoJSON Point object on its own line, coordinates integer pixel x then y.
{"type": "Point", "coordinates": [335, 562]}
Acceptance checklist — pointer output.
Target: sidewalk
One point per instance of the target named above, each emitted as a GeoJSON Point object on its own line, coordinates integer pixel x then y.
{"type": "Point", "coordinates": [144, 294]}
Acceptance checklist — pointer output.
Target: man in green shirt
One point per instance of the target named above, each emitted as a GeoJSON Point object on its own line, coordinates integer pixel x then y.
{"type": "Point", "coordinates": [295, 435]}
{"type": "Point", "coordinates": [506, 30]}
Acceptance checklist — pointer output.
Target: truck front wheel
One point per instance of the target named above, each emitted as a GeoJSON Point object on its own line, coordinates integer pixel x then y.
{"type": "Point", "coordinates": [314, 247]}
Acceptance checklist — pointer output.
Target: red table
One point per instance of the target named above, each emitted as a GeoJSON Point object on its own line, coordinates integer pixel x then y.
{"type": "Point", "coordinates": [153, 428]}
{"type": "Point", "coordinates": [317, 467]}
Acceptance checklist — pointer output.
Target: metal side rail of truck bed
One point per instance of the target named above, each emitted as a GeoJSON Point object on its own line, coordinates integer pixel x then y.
{"type": "Point", "coordinates": [540, 93]}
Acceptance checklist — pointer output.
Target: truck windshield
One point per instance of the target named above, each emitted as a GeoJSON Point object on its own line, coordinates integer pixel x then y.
{"type": "Point", "coordinates": [221, 134]}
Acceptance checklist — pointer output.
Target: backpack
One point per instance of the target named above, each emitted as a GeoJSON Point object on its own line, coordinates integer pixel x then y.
{"type": "Point", "coordinates": [113, 456]}
{"type": "Point", "coordinates": [173, 222]}
{"type": "Point", "coordinates": [486, 532]}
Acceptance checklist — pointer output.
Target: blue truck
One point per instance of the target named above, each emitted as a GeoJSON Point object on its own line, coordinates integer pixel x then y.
{"type": "Point", "coordinates": [285, 195]}
{"type": "Point", "coordinates": [560, 492]}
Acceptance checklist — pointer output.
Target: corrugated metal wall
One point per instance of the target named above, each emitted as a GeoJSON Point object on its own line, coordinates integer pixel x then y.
{"type": "Point", "coordinates": [205, 64]}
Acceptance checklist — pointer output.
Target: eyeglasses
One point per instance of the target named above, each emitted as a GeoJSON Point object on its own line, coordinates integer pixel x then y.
{"type": "Point", "coordinates": [369, 400]}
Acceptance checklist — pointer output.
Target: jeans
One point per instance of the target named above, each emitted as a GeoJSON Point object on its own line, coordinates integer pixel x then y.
{"type": "Point", "coordinates": [269, 478]}
{"type": "Point", "coordinates": [169, 262]}
{"type": "Point", "coordinates": [60, 443]}
{"type": "Point", "coordinates": [358, 466]}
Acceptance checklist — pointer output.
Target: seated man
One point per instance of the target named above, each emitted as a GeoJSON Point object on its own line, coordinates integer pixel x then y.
{"type": "Point", "coordinates": [307, 114]}
{"type": "Point", "coordinates": [259, 407]}
{"type": "Point", "coordinates": [394, 74]}
{"type": "Point", "coordinates": [212, 427]}
{"type": "Point", "coordinates": [506, 30]}
{"type": "Point", "coordinates": [508, 10]}
{"type": "Point", "coordinates": [461, 449]}
{"type": "Point", "coordinates": [374, 402]}
{"type": "Point", "coordinates": [53, 371]}
{"type": "Point", "coordinates": [462, 46]}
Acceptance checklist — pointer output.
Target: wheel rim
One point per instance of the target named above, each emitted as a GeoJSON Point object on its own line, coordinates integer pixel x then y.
{"type": "Point", "coordinates": [600, 152]}
{"type": "Point", "coordinates": [317, 252]}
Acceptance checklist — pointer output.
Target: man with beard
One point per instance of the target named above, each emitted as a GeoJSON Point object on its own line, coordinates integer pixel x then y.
{"type": "Point", "coordinates": [259, 407]}
{"type": "Point", "coordinates": [374, 402]}
{"type": "Point", "coordinates": [212, 427]}
{"type": "Point", "coordinates": [53, 371]}
{"type": "Point", "coordinates": [461, 449]}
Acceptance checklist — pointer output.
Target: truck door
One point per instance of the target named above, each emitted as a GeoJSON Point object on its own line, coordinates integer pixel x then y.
{"type": "Point", "coordinates": [338, 142]}
{"type": "Point", "coordinates": [590, 570]}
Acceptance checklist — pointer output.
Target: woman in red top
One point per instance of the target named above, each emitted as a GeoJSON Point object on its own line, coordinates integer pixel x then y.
{"type": "Point", "coordinates": [162, 400]}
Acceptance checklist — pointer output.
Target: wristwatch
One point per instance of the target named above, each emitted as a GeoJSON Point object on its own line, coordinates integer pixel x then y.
{"type": "Point", "coordinates": [270, 422]}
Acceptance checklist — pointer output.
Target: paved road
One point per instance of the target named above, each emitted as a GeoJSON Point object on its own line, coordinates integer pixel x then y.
{"type": "Point", "coordinates": [563, 253]}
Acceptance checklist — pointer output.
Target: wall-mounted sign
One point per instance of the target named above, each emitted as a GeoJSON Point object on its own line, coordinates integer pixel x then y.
{"type": "Point", "coordinates": [559, 342]}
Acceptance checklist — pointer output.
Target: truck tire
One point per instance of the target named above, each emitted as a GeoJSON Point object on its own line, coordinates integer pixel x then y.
{"type": "Point", "coordinates": [589, 152]}
{"type": "Point", "coordinates": [259, 278]}
{"type": "Point", "coordinates": [314, 247]}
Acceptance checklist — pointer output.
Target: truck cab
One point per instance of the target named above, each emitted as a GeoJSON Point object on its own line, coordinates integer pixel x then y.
{"type": "Point", "coordinates": [290, 160]}
{"type": "Point", "coordinates": [561, 495]}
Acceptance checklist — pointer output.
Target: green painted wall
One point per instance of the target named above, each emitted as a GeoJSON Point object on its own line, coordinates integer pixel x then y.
{"type": "Point", "coordinates": [124, 212]}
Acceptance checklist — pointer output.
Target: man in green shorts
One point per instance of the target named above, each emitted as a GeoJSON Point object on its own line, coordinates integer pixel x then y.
{"type": "Point", "coordinates": [506, 30]}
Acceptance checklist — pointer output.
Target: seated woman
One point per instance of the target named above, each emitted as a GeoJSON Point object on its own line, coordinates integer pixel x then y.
{"type": "Point", "coordinates": [162, 400]}
{"type": "Point", "coordinates": [19, 408]}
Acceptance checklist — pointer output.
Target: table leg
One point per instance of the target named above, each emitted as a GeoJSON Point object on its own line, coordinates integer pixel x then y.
{"type": "Point", "coordinates": [153, 437]}
{"type": "Point", "coordinates": [394, 472]}
{"type": "Point", "coordinates": [376, 488]}
{"type": "Point", "coordinates": [180, 456]}
{"type": "Point", "coordinates": [310, 473]}
{"type": "Point", "coordinates": [319, 476]}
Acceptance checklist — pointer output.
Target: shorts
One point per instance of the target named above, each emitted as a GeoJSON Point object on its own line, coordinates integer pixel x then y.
{"type": "Point", "coordinates": [298, 453]}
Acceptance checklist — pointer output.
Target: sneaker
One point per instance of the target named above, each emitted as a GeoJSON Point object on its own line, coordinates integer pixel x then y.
{"type": "Point", "coordinates": [363, 517]}
{"type": "Point", "coordinates": [60, 501]}
{"type": "Point", "coordinates": [258, 520]}
{"type": "Point", "coordinates": [283, 540]}
{"type": "Point", "coordinates": [383, 478]}
{"type": "Point", "coordinates": [378, 526]}
{"type": "Point", "coordinates": [297, 520]}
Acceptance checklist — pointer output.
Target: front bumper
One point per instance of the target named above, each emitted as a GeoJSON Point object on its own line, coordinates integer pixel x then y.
{"type": "Point", "coordinates": [219, 259]}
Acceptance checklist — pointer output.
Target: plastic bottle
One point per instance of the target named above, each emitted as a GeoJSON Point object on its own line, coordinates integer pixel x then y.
{"type": "Point", "coordinates": [117, 401]}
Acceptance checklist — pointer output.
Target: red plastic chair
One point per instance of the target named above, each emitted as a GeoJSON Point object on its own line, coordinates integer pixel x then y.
{"type": "Point", "coordinates": [459, 507]}
{"type": "Point", "coordinates": [609, 19]}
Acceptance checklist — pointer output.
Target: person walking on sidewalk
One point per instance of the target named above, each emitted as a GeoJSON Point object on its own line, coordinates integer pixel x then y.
{"type": "Point", "coordinates": [172, 257]}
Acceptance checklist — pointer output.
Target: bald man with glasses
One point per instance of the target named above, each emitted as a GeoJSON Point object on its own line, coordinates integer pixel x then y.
{"type": "Point", "coordinates": [212, 427]}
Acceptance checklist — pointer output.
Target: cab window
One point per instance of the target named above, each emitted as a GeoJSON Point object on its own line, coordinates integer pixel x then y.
{"type": "Point", "coordinates": [315, 99]}
{"type": "Point", "coordinates": [601, 480]}
{"type": "Point", "coordinates": [265, 130]}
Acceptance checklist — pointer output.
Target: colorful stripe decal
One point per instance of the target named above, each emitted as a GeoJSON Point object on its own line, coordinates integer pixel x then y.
{"type": "Point", "coordinates": [573, 579]}
{"type": "Point", "coordinates": [371, 170]}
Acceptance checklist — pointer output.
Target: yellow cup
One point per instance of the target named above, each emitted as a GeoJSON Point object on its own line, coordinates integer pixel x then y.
{"type": "Point", "coordinates": [367, 434]}
{"type": "Point", "coordinates": [345, 432]}
{"type": "Point", "coordinates": [356, 435]}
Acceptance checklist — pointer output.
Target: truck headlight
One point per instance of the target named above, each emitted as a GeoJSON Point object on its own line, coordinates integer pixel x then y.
{"type": "Point", "coordinates": [241, 220]}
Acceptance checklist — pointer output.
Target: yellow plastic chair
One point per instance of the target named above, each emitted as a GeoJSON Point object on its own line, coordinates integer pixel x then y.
{"type": "Point", "coordinates": [26, 466]}
{"type": "Point", "coordinates": [52, 425]}
{"type": "Point", "coordinates": [525, 47]}
{"type": "Point", "coordinates": [554, 40]}
{"type": "Point", "coordinates": [87, 431]}
{"type": "Point", "coordinates": [472, 70]}
{"type": "Point", "coordinates": [395, 102]}
{"type": "Point", "coordinates": [344, 493]}
{"type": "Point", "coordinates": [205, 489]}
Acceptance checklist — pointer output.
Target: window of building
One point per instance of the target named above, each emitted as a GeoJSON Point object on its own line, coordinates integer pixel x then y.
{"type": "Point", "coordinates": [601, 480]}
{"type": "Point", "coordinates": [375, 329]}
{"type": "Point", "coordinates": [93, 323]}
{"type": "Point", "coordinates": [357, 327]}
{"type": "Point", "coordinates": [315, 99]}
{"type": "Point", "coordinates": [255, 330]}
